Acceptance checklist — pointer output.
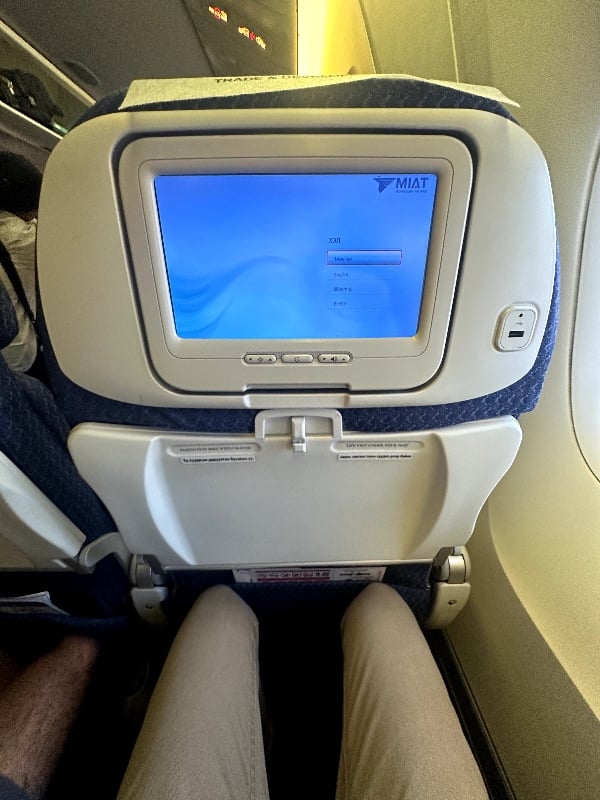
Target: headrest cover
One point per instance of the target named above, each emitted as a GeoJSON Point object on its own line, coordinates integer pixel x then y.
{"type": "Point", "coordinates": [9, 327]}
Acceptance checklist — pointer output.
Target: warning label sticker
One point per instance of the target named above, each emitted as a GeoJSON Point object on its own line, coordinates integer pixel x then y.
{"type": "Point", "coordinates": [215, 453]}
{"type": "Point", "coordinates": [214, 458]}
{"type": "Point", "coordinates": [377, 450]}
{"type": "Point", "coordinates": [308, 574]}
{"type": "Point", "coordinates": [373, 456]}
{"type": "Point", "coordinates": [389, 447]}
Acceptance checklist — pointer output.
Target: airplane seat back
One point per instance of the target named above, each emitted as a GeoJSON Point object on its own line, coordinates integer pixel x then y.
{"type": "Point", "coordinates": [367, 440]}
{"type": "Point", "coordinates": [521, 396]}
{"type": "Point", "coordinates": [47, 512]}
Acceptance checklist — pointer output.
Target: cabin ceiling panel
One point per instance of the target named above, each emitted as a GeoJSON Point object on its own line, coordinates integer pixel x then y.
{"type": "Point", "coordinates": [117, 42]}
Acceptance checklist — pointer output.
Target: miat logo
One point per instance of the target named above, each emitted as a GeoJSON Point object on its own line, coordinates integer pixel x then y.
{"type": "Point", "coordinates": [405, 183]}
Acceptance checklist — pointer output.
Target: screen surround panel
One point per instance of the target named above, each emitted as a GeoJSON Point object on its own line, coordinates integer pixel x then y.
{"type": "Point", "coordinates": [318, 361]}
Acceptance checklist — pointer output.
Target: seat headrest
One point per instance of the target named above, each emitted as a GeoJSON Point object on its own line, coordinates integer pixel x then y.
{"type": "Point", "coordinates": [9, 326]}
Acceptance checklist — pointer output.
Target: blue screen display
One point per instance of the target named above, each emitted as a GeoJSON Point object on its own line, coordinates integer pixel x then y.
{"type": "Point", "coordinates": [303, 256]}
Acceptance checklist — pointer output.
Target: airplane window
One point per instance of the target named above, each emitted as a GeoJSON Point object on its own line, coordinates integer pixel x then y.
{"type": "Point", "coordinates": [31, 85]}
{"type": "Point", "coordinates": [585, 390]}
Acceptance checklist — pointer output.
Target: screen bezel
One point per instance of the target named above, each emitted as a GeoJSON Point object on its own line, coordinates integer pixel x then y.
{"type": "Point", "coordinates": [208, 365]}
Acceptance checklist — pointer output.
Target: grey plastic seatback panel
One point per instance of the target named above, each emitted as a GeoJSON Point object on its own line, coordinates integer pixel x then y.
{"type": "Point", "coordinates": [298, 491]}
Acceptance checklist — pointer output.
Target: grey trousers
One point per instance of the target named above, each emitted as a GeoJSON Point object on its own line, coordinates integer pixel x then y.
{"type": "Point", "coordinates": [202, 734]}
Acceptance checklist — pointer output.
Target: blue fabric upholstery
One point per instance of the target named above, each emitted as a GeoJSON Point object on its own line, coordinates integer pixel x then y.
{"type": "Point", "coordinates": [375, 93]}
{"type": "Point", "coordinates": [10, 791]}
{"type": "Point", "coordinates": [39, 450]}
{"type": "Point", "coordinates": [80, 405]}
{"type": "Point", "coordinates": [33, 435]}
{"type": "Point", "coordinates": [9, 327]}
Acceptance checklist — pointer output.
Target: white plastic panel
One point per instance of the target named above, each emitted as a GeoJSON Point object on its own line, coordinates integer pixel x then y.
{"type": "Point", "coordinates": [32, 523]}
{"type": "Point", "coordinates": [299, 491]}
{"type": "Point", "coordinates": [221, 366]}
{"type": "Point", "coordinates": [86, 278]}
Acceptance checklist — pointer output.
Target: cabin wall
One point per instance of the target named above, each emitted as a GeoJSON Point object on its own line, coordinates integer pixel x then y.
{"type": "Point", "coordinates": [529, 641]}
{"type": "Point", "coordinates": [411, 36]}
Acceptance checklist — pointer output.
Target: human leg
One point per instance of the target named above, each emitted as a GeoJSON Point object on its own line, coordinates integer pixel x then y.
{"type": "Point", "coordinates": [401, 736]}
{"type": "Point", "coordinates": [38, 709]}
{"type": "Point", "coordinates": [202, 735]}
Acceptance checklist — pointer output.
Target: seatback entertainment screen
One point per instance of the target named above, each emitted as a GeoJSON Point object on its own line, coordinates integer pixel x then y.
{"type": "Point", "coordinates": [295, 256]}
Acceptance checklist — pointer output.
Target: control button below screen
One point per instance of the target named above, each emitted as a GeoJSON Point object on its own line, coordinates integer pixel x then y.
{"type": "Point", "coordinates": [296, 358]}
{"type": "Point", "coordinates": [260, 358]}
{"type": "Point", "coordinates": [333, 358]}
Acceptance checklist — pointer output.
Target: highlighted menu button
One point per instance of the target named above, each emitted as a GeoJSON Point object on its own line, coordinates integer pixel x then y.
{"type": "Point", "coordinates": [364, 258]}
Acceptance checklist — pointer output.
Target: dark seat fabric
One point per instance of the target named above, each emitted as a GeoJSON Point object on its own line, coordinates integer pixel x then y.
{"type": "Point", "coordinates": [79, 405]}
{"type": "Point", "coordinates": [9, 326]}
{"type": "Point", "coordinates": [33, 435]}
